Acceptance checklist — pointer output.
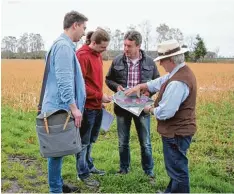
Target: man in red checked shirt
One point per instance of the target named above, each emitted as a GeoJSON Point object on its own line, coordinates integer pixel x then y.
{"type": "Point", "coordinates": [127, 70]}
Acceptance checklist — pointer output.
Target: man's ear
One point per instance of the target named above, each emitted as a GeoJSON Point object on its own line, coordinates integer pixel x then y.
{"type": "Point", "coordinates": [93, 43]}
{"type": "Point", "coordinates": [74, 25]}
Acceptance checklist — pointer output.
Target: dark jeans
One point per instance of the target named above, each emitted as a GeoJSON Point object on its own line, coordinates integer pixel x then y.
{"type": "Point", "coordinates": [176, 162]}
{"type": "Point", "coordinates": [142, 124]}
{"type": "Point", "coordinates": [89, 131]}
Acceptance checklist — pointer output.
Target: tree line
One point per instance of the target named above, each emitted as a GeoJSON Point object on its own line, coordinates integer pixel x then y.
{"type": "Point", "coordinates": [31, 46]}
{"type": "Point", "coordinates": [27, 46]}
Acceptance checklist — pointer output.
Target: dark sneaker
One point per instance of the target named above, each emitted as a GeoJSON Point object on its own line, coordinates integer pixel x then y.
{"type": "Point", "coordinates": [150, 175]}
{"type": "Point", "coordinates": [152, 180]}
{"type": "Point", "coordinates": [122, 172]}
{"type": "Point", "coordinates": [67, 188]}
{"type": "Point", "coordinates": [96, 171]}
{"type": "Point", "coordinates": [90, 182]}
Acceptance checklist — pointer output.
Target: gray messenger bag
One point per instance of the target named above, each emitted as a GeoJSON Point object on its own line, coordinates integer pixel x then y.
{"type": "Point", "coordinates": [56, 131]}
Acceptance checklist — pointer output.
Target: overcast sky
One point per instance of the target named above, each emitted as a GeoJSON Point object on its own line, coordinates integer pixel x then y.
{"type": "Point", "coordinates": [212, 19]}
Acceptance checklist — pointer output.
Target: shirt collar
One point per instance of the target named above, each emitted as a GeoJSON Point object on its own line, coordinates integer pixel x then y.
{"type": "Point", "coordinates": [63, 35]}
{"type": "Point", "coordinates": [139, 58]}
{"type": "Point", "coordinates": [176, 69]}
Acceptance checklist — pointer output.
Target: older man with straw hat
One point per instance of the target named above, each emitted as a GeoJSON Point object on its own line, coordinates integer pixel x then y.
{"type": "Point", "coordinates": [174, 110]}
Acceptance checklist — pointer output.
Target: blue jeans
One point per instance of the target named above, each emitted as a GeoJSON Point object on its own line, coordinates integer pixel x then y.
{"type": "Point", "coordinates": [142, 124]}
{"type": "Point", "coordinates": [176, 162]}
{"type": "Point", "coordinates": [54, 175]}
{"type": "Point", "coordinates": [89, 131]}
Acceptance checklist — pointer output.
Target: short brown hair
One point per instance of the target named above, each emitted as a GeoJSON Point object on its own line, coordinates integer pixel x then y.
{"type": "Point", "coordinates": [98, 36]}
{"type": "Point", "coordinates": [72, 17]}
{"type": "Point", "coordinates": [133, 35]}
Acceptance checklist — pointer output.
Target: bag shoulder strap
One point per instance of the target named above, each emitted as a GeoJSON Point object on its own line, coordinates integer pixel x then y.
{"type": "Point", "coordinates": [46, 72]}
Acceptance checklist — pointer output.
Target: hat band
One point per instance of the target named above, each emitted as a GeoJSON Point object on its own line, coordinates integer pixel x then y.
{"type": "Point", "coordinates": [169, 52]}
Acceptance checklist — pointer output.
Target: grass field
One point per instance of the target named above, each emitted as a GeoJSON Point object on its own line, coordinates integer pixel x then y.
{"type": "Point", "coordinates": [211, 153]}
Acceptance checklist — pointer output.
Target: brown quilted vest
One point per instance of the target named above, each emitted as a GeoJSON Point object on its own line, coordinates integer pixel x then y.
{"type": "Point", "coordinates": [183, 123]}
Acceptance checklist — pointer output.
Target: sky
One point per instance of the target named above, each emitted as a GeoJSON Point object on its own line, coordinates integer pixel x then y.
{"type": "Point", "coordinates": [213, 20]}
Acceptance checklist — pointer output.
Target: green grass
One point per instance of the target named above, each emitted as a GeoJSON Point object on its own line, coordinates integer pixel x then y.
{"type": "Point", "coordinates": [211, 155]}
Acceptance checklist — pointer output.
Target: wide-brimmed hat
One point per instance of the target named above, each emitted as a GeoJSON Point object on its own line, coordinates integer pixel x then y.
{"type": "Point", "coordinates": [169, 48]}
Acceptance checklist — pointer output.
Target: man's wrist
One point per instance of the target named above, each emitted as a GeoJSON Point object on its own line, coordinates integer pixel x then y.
{"type": "Point", "coordinates": [139, 87]}
{"type": "Point", "coordinates": [151, 110]}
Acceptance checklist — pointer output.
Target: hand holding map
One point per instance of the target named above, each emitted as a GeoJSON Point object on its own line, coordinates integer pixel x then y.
{"type": "Point", "coordinates": [132, 102]}
{"type": "Point", "coordinates": [135, 90]}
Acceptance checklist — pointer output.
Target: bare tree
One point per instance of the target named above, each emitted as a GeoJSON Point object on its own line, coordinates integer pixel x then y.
{"type": "Point", "coordinates": [217, 51]}
{"type": "Point", "coordinates": [6, 43]}
{"type": "Point", "coordinates": [39, 43]}
{"type": "Point", "coordinates": [23, 45]}
{"type": "Point", "coordinates": [146, 28]}
{"type": "Point", "coordinates": [6, 46]}
{"type": "Point", "coordinates": [31, 42]}
{"type": "Point", "coordinates": [118, 38]}
{"type": "Point", "coordinates": [110, 46]}
{"type": "Point", "coordinates": [131, 27]}
{"type": "Point", "coordinates": [13, 43]}
{"type": "Point", "coordinates": [36, 44]}
{"type": "Point", "coordinates": [13, 48]}
{"type": "Point", "coordinates": [190, 42]}
{"type": "Point", "coordinates": [164, 32]}
{"type": "Point", "coordinates": [175, 33]}
{"type": "Point", "coordinates": [9, 46]}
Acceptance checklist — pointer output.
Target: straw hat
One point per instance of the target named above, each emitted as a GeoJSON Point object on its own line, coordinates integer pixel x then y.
{"type": "Point", "coordinates": [169, 48]}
